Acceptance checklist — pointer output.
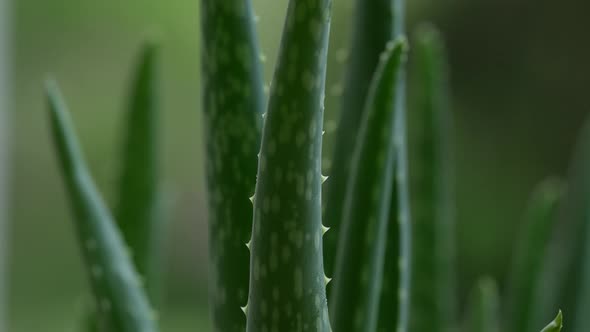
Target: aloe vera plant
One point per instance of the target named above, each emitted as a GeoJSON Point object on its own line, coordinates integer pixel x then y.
{"type": "Point", "coordinates": [390, 272]}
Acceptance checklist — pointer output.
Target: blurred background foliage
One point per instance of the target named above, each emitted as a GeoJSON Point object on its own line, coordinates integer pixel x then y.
{"type": "Point", "coordinates": [520, 74]}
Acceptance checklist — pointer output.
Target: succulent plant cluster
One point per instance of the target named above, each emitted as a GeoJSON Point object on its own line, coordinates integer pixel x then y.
{"type": "Point", "coordinates": [378, 254]}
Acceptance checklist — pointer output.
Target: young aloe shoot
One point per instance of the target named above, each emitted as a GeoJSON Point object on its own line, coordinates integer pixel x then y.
{"type": "Point", "coordinates": [122, 304]}
{"type": "Point", "coordinates": [433, 305]}
{"type": "Point", "coordinates": [361, 253]}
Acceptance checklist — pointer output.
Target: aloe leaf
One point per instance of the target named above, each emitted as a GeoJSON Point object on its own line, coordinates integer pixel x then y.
{"type": "Point", "coordinates": [287, 281]}
{"type": "Point", "coordinates": [234, 100]}
{"type": "Point", "coordinates": [361, 253]}
{"type": "Point", "coordinates": [433, 293]}
{"type": "Point", "coordinates": [484, 307]}
{"type": "Point", "coordinates": [556, 325]}
{"type": "Point", "coordinates": [376, 22]}
{"type": "Point", "coordinates": [137, 212]}
{"type": "Point", "coordinates": [531, 248]}
{"type": "Point", "coordinates": [122, 304]}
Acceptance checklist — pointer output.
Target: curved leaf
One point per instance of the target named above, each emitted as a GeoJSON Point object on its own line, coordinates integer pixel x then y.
{"type": "Point", "coordinates": [363, 237]}
{"type": "Point", "coordinates": [137, 212]}
{"type": "Point", "coordinates": [121, 302]}
{"type": "Point", "coordinates": [376, 22]}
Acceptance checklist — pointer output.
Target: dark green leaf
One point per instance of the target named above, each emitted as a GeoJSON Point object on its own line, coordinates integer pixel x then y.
{"type": "Point", "coordinates": [361, 253]}
{"type": "Point", "coordinates": [233, 102]}
{"type": "Point", "coordinates": [433, 293]}
{"type": "Point", "coordinates": [376, 22]}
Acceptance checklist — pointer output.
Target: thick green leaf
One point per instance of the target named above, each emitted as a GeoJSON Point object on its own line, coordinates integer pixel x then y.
{"type": "Point", "coordinates": [137, 212]}
{"type": "Point", "coordinates": [233, 101]}
{"type": "Point", "coordinates": [483, 307]}
{"type": "Point", "coordinates": [121, 302]}
{"type": "Point", "coordinates": [287, 282]}
{"type": "Point", "coordinates": [433, 292]}
{"type": "Point", "coordinates": [363, 237]}
{"type": "Point", "coordinates": [531, 249]}
{"type": "Point", "coordinates": [556, 325]}
{"type": "Point", "coordinates": [376, 22]}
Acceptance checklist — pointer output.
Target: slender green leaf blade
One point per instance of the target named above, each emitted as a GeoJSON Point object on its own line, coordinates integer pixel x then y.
{"type": "Point", "coordinates": [361, 253]}
{"type": "Point", "coordinates": [556, 325]}
{"type": "Point", "coordinates": [484, 307]}
{"type": "Point", "coordinates": [394, 309]}
{"type": "Point", "coordinates": [433, 290]}
{"type": "Point", "coordinates": [376, 22]}
{"type": "Point", "coordinates": [531, 249]}
{"type": "Point", "coordinates": [287, 282]}
{"type": "Point", "coordinates": [233, 102]}
{"type": "Point", "coordinates": [122, 304]}
{"type": "Point", "coordinates": [137, 212]}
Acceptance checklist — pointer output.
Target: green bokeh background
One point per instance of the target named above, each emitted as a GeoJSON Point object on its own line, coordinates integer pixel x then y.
{"type": "Point", "coordinates": [520, 75]}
